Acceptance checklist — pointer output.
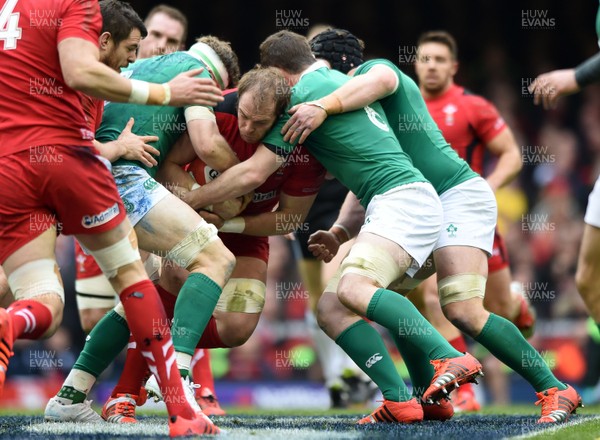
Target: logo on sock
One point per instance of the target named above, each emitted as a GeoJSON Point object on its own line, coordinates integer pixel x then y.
{"type": "Point", "coordinates": [373, 360]}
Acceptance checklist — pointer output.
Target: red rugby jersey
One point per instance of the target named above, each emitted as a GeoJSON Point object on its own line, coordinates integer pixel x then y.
{"type": "Point", "coordinates": [37, 107]}
{"type": "Point", "coordinates": [301, 175]}
{"type": "Point", "coordinates": [467, 122]}
{"type": "Point", "coordinates": [93, 109]}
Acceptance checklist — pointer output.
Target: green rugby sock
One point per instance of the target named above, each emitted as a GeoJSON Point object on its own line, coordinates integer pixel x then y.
{"type": "Point", "coordinates": [504, 341]}
{"type": "Point", "coordinates": [420, 370]}
{"type": "Point", "coordinates": [103, 344]}
{"type": "Point", "coordinates": [401, 317]}
{"type": "Point", "coordinates": [366, 348]}
{"type": "Point", "coordinates": [194, 307]}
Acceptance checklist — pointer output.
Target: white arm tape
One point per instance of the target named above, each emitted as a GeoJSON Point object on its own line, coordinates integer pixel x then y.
{"type": "Point", "coordinates": [235, 225]}
{"type": "Point", "coordinates": [167, 89]}
{"type": "Point", "coordinates": [140, 91]}
{"type": "Point", "coordinates": [198, 112]}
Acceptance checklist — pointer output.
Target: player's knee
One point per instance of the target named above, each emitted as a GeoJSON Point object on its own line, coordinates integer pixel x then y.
{"type": "Point", "coordinates": [584, 280]}
{"type": "Point", "coordinates": [3, 284]}
{"type": "Point", "coordinates": [116, 256]}
{"type": "Point", "coordinates": [461, 299]}
{"type": "Point", "coordinates": [348, 291]}
{"type": "Point", "coordinates": [202, 251]}
{"type": "Point", "coordinates": [327, 310]}
{"type": "Point", "coordinates": [39, 280]}
{"type": "Point", "coordinates": [239, 333]}
{"type": "Point", "coordinates": [90, 317]}
{"type": "Point", "coordinates": [502, 305]}
{"type": "Point", "coordinates": [242, 296]}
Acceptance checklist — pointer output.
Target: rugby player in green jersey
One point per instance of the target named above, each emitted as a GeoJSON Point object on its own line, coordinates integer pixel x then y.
{"type": "Point", "coordinates": [361, 151]}
{"type": "Point", "coordinates": [164, 224]}
{"type": "Point", "coordinates": [461, 253]}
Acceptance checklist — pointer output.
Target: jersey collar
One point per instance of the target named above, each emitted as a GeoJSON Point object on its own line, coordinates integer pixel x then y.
{"type": "Point", "coordinates": [314, 66]}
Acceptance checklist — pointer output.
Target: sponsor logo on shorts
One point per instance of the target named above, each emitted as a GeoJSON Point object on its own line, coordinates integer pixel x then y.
{"type": "Point", "coordinates": [93, 220]}
{"type": "Point", "coordinates": [150, 184]}
{"type": "Point", "coordinates": [261, 197]}
{"type": "Point", "coordinates": [373, 360]}
{"type": "Point", "coordinates": [129, 207]}
{"type": "Point", "coordinates": [451, 230]}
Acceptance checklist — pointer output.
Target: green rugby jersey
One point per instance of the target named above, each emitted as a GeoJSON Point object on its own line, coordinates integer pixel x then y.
{"type": "Point", "coordinates": [358, 147]}
{"type": "Point", "coordinates": [168, 123]}
{"type": "Point", "coordinates": [418, 133]}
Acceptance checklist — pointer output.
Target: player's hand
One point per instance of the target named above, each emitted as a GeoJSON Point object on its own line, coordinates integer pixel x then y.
{"type": "Point", "coordinates": [228, 209]}
{"type": "Point", "coordinates": [324, 245]}
{"type": "Point", "coordinates": [188, 90]}
{"type": "Point", "coordinates": [548, 87]}
{"type": "Point", "coordinates": [211, 217]}
{"type": "Point", "coordinates": [136, 147]}
{"type": "Point", "coordinates": [246, 199]}
{"type": "Point", "coordinates": [305, 119]}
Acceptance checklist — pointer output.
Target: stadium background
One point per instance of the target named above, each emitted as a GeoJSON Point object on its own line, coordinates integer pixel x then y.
{"type": "Point", "coordinates": [502, 47]}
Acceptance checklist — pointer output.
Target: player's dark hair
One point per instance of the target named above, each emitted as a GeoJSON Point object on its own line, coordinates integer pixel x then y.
{"type": "Point", "coordinates": [226, 54]}
{"type": "Point", "coordinates": [340, 48]}
{"type": "Point", "coordinates": [441, 37]}
{"type": "Point", "coordinates": [172, 12]}
{"type": "Point", "coordinates": [270, 84]}
{"type": "Point", "coordinates": [120, 19]}
{"type": "Point", "coordinates": [286, 50]}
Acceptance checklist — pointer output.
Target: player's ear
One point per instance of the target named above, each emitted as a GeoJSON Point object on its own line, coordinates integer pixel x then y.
{"type": "Point", "coordinates": [454, 67]}
{"type": "Point", "coordinates": [104, 40]}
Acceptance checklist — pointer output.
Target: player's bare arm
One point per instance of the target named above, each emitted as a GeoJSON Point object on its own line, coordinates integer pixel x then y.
{"type": "Point", "coordinates": [509, 162]}
{"type": "Point", "coordinates": [325, 244]}
{"type": "Point", "coordinates": [237, 180]}
{"type": "Point", "coordinates": [360, 91]}
{"type": "Point", "coordinates": [129, 146]}
{"type": "Point", "coordinates": [290, 212]}
{"type": "Point", "coordinates": [83, 72]}
{"type": "Point", "coordinates": [209, 144]}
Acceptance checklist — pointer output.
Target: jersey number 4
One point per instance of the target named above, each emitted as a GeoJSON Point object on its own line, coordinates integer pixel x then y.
{"type": "Point", "coordinates": [10, 31]}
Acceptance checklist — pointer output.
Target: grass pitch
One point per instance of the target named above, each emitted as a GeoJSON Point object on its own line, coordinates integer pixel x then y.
{"type": "Point", "coordinates": [492, 423]}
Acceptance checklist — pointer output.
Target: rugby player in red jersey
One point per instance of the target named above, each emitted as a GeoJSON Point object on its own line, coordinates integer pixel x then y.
{"type": "Point", "coordinates": [120, 37]}
{"type": "Point", "coordinates": [471, 125]}
{"type": "Point", "coordinates": [45, 146]}
{"type": "Point", "coordinates": [293, 187]}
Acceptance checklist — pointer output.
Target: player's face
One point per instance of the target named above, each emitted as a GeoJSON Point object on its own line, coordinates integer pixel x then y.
{"type": "Point", "coordinates": [255, 119]}
{"type": "Point", "coordinates": [435, 67]}
{"type": "Point", "coordinates": [125, 52]}
{"type": "Point", "coordinates": [165, 35]}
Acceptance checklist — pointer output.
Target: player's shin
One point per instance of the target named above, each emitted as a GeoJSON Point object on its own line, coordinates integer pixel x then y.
{"type": "Point", "coordinates": [149, 327]}
{"type": "Point", "coordinates": [103, 344]}
{"type": "Point", "coordinates": [364, 345]}
{"type": "Point", "coordinates": [134, 372]}
{"type": "Point", "coordinates": [193, 309]}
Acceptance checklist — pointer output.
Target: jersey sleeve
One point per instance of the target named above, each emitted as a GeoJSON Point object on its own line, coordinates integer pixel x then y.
{"type": "Point", "coordinates": [306, 177]}
{"type": "Point", "coordinates": [81, 19]}
{"type": "Point", "coordinates": [365, 67]}
{"type": "Point", "coordinates": [484, 118]}
{"type": "Point", "coordinates": [274, 139]}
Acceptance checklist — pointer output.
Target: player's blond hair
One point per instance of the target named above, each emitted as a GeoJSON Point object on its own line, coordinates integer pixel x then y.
{"type": "Point", "coordinates": [270, 84]}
